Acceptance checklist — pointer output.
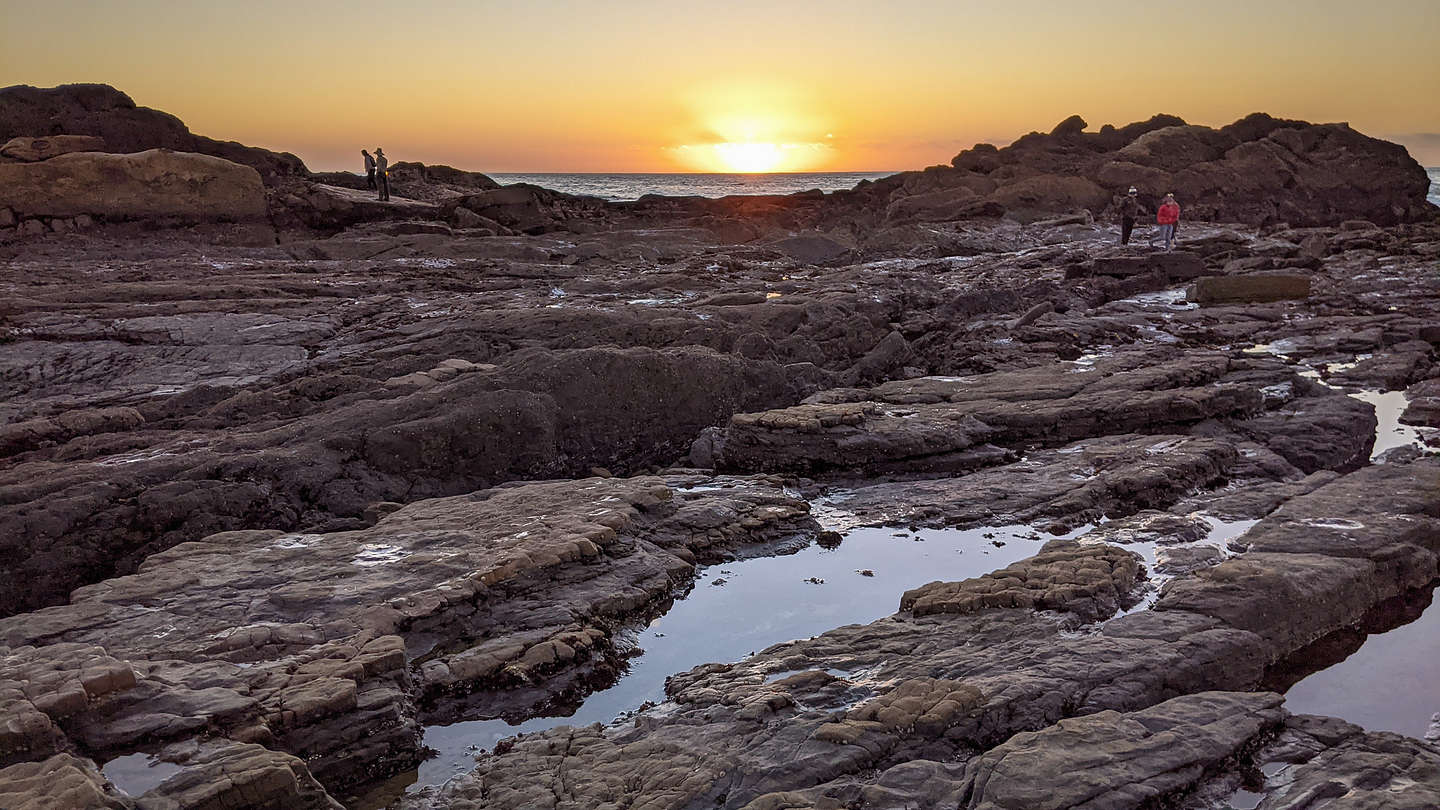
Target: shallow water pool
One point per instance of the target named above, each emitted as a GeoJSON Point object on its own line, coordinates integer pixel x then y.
{"type": "Point", "coordinates": [739, 608]}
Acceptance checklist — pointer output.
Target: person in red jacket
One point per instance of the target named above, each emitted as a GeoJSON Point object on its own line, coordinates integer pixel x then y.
{"type": "Point", "coordinates": [1167, 217]}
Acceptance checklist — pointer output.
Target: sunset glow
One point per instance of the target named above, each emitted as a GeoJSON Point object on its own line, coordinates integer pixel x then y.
{"type": "Point", "coordinates": [750, 157]}
{"type": "Point", "coordinates": [645, 85]}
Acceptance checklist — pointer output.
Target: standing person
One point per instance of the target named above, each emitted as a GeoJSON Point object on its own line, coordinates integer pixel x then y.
{"type": "Point", "coordinates": [382, 170]}
{"type": "Point", "coordinates": [369, 170]}
{"type": "Point", "coordinates": [1130, 210]}
{"type": "Point", "coordinates": [1167, 217]}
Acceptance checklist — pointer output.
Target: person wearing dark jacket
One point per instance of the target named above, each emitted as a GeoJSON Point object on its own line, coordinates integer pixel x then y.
{"type": "Point", "coordinates": [369, 170]}
{"type": "Point", "coordinates": [382, 173]}
{"type": "Point", "coordinates": [1130, 210]}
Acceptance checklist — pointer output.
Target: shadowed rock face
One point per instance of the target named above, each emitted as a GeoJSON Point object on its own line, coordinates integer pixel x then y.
{"type": "Point", "coordinates": [442, 434]}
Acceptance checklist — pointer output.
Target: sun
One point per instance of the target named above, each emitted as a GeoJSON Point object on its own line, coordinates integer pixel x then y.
{"type": "Point", "coordinates": [749, 158]}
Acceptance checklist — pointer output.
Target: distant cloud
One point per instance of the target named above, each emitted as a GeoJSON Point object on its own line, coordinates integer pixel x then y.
{"type": "Point", "coordinates": [1423, 146]}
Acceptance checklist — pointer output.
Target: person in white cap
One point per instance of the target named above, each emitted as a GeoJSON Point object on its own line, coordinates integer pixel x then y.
{"type": "Point", "coordinates": [1130, 210]}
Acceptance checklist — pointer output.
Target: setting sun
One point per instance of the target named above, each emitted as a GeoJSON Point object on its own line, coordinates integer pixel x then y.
{"type": "Point", "coordinates": [749, 157]}
{"type": "Point", "coordinates": [752, 157]}
{"type": "Point", "coordinates": [753, 126]}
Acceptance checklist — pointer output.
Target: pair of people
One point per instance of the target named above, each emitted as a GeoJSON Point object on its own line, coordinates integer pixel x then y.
{"type": "Point", "coordinates": [377, 172]}
{"type": "Point", "coordinates": [1167, 218]}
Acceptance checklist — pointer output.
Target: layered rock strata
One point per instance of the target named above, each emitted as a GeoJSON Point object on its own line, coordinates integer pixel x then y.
{"type": "Point", "coordinates": [316, 644]}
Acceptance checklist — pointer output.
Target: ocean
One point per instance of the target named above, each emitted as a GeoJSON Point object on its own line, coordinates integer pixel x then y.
{"type": "Point", "coordinates": [633, 186]}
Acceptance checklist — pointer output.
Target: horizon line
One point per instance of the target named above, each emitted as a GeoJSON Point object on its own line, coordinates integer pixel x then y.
{"type": "Point", "coordinates": [611, 174]}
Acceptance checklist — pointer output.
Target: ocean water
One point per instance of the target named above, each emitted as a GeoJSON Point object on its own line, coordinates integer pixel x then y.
{"type": "Point", "coordinates": [633, 186]}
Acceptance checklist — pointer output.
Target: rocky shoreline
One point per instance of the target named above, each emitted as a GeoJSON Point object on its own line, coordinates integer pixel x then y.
{"type": "Point", "coordinates": [288, 475]}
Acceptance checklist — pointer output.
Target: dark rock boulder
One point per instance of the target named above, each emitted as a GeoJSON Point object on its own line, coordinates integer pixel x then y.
{"type": "Point", "coordinates": [1074, 125]}
{"type": "Point", "coordinates": [982, 158]}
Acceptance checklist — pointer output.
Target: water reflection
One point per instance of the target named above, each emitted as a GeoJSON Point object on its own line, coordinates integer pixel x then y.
{"type": "Point", "coordinates": [1383, 681]}
{"type": "Point", "coordinates": [741, 607]}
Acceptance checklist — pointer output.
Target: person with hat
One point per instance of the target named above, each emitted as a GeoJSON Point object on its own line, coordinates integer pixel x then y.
{"type": "Point", "coordinates": [382, 174]}
{"type": "Point", "coordinates": [1130, 210]}
{"type": "Point", "coordinates": [1168, 218]}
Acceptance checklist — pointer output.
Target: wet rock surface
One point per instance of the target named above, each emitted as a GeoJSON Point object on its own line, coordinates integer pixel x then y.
{"type": "Point", "coordinates": [276, 498]}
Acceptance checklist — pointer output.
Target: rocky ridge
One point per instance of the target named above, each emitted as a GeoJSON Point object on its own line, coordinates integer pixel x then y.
{"type": "Point", "coordinates": [1260, 170]}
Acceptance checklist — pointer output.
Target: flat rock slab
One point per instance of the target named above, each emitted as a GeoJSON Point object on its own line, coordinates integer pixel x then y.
{"type": "Point", "coordinates": [223, 773]}
{"type": "Point", "coordinates": [1119, 761]}
{"type": "Point", "coordinates": [927, 423]}
{"type": "Point", "coordinates": [1255, 288]}
{"type": "Point", "coordinates": [1056, 489]}
{"type": "Point", "coordinates": [1174, 266]}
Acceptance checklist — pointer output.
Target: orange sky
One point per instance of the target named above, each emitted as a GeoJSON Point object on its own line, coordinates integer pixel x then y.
{"type": "Point", "coordinates": [645, 85]}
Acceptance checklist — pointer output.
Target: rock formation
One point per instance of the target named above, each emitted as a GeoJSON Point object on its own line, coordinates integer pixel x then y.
{"type": "Point", "coordinates": [102, 111]}
{"type": "Point", "coordinates": [281, 497]}
{"type": "Point", "coordinates": [156, 184]}
{"type": "Point", "coordinates": [1259, 170]}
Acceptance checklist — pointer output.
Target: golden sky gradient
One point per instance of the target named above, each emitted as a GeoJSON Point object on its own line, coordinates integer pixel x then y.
{"type": "Point", "coordinates": [646, 85]}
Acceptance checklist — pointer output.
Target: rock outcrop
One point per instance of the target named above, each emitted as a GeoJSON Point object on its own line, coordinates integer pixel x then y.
{"type": "Point", "coordinates": [1259, 170]}
{"type": "Point", "coordinates": [156, 184]}
{"type": "Point", "coordinates": [102, 111]}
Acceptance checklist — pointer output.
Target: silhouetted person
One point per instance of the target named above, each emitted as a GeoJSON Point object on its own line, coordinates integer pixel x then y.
{"type": "Point", "coordinates": [369, 170]}
{"type": "Point", "coordinates": [1167, 217]}
{"type": "Point", "coordinates": [1130, 210]}
{"type": "Point", "coordinates": [382, 171]}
